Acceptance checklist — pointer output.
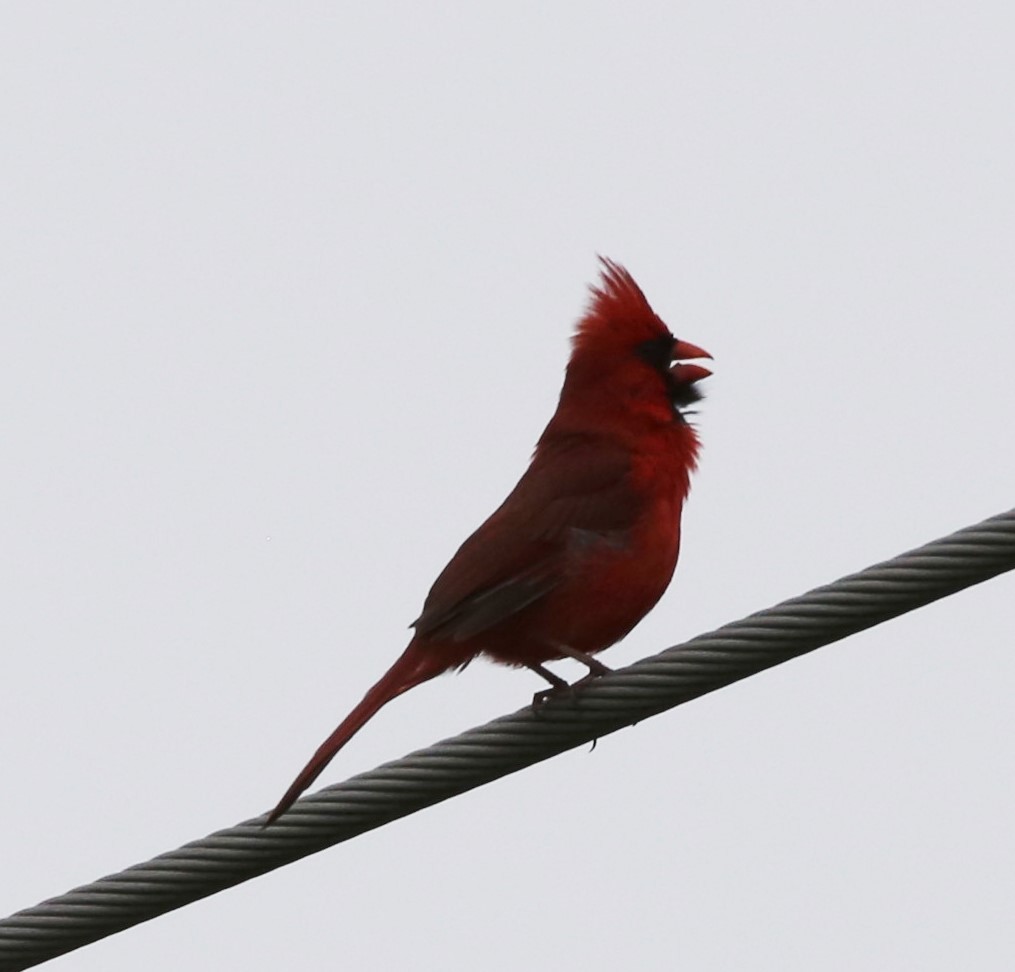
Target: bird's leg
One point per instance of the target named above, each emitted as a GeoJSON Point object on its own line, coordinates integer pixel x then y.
{"type": "Point", "coordinates": [595, 666]}
{"type": "Point", "coordinates": [558, 685]}
{"type": "Point", "coordinates": [561, 688]}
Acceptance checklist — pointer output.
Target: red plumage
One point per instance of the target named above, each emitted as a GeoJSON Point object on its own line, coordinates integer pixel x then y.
{"type": "Point", "coordinates": [587, 542]}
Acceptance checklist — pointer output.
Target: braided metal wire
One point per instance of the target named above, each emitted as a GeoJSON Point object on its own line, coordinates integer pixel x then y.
{"type": "Point", "coordinates": [703, 664]}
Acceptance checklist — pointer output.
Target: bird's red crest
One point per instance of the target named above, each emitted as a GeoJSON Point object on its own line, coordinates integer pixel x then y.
{"type": "Point", "coordinates": [618, 313]}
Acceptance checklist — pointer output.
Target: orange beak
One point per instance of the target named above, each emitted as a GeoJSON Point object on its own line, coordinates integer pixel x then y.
{"type": "Point", "coordinates": [688, 373]}
{"type": "Point", "coordinates": [683, 350]}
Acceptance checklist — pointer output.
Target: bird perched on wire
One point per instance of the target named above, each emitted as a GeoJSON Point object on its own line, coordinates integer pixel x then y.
{"type": "Point", "coordinates": [587, 542]}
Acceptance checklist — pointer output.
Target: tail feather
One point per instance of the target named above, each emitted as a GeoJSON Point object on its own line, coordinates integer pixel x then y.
{"type": "Point", "coordinates": [414, 666]}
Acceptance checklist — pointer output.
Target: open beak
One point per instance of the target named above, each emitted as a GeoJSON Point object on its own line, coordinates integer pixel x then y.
{"type": "Point", "coordinates": [688, 373]}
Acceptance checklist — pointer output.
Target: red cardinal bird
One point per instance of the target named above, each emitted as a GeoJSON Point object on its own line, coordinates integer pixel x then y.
{"type": "Point", "coordinates": [587, 541]}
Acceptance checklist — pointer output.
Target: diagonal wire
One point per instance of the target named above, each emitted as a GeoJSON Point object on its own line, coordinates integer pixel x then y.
{"type": "Point", "coordinates": [481, 755]}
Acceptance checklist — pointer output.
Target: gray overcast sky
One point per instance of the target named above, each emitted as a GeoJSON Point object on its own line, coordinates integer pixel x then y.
{"type": "Point", "coordinates": [286, 297]}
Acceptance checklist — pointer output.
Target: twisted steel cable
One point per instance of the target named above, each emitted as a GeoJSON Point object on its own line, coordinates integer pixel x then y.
{"type": "Point", "coordinates": [481, 755]}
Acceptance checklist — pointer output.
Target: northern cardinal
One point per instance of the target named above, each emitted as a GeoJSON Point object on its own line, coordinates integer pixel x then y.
{"type": "Point", "coordinates": [587, 542]}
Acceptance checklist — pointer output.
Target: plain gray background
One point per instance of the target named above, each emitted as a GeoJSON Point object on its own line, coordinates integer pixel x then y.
{"type": "Point", "coordinates": [286, 296]}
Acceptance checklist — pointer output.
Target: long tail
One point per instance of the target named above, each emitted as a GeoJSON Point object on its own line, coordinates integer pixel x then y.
{"type": "Point", "coordinates": [415, 666]}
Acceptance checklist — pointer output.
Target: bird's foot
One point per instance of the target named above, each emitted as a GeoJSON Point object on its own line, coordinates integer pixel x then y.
{"type": "Point", "coordinates": [558, 688]}
{"type": "Point", "coordinates": [565, 690]}
{"type": "Point", "coordinates": [554, 692]}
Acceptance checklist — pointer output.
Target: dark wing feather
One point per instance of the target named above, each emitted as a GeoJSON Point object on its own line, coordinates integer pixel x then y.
{"type": "Point", "coordinates": [576, 492]}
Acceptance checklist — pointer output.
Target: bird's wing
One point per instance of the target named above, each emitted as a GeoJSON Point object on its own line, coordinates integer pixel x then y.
{"type": "Point", "coordinates": [576, 494]}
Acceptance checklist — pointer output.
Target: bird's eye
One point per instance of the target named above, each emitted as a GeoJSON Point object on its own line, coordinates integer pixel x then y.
{"type": "Point", "coordinates": [657, 352]}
